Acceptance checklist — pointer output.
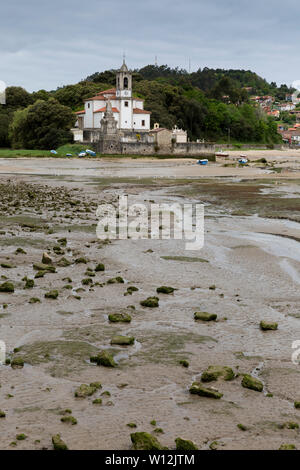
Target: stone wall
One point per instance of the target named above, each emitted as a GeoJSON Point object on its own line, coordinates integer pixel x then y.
{"type": "Point", "coordinates": [146, 148]}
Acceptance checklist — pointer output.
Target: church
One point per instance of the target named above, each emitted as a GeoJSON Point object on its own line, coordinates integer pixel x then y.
{"type": "Point", "coordinates": [128, 112]}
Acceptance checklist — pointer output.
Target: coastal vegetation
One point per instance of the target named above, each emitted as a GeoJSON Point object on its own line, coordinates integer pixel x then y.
{"type": "Point", "coordinates": [210, 104]}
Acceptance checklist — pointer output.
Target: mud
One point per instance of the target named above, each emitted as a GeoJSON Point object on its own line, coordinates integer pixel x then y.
{"type": "Point", "coordinates": [256, 274]}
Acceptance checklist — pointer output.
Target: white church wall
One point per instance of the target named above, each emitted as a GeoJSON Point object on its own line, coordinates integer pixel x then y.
{"type": "Point", "coordinates": [126, 114]}
{"type": "Point", "coordinates": [138, 121]}
{"type": "Point", "coordinates": [88, 117]}
{"type": "Point", "coordinates": [97, 119]}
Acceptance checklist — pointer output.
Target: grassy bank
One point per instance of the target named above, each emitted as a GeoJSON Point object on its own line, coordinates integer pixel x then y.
{"type": "Point", "coordinates": [75, 149]}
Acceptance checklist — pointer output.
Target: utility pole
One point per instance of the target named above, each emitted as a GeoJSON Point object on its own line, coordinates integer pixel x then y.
{"type": "Point", "coordinates": [156, 61]}
{"type": "Point", "coordinates": [229, 135]}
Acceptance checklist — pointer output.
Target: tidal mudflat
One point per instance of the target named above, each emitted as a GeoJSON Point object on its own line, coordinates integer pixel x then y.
{"type": "Point", "coordinates": [90, 363]}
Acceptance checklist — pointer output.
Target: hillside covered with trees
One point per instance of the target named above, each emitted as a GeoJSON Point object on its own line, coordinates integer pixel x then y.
{"type": "Point", "coordinates": [211, 104]}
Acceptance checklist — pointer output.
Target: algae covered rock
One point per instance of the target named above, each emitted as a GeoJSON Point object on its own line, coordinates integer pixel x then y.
{"type": "Point", "coordinates": [7, 265]}
{"type": "Point", "coordinates": [104, 358]}
{"type": "Point", "coordinates": [7, 287]}
{"type": "Point", "coordinates": [183, 444]}
{"type": "Point", "coordinates": [44, 267]}
{"type": "Point", "coordinates": [20, 251]}
{"type": "Point", "coordinates": [46, 259]}
{"type": "Point", "coordinates": [100, 267]}
{"type": "Point", "coordinates": [122, 340]}
{"type": "Point", "coordinates": [265, 326]}
{"type": "Point", "coordinates": [145, 441]}
{"type": "Point", "coordinates": [116, 280]}
{"type": "Point", "coordinates": [242, 427]}
{"type": "Point", "coordinates": [58, 443]}
{"type": "Point", "coordinates": [184, 363]}
{"type": "Point", "coordinates": [97, 401]}
{"type": "Point", "coordinates": [52, 294]}
{"type": "Point", "coordinates": [252, 383]}
{"type": "Point", "coordinates": [214, 372]}
{"type": "Point", "coordinates": [17, 363]}
{"type": "Point", "coordinates": [85, 390]}
{"type": "Point", "coordinates": [69, 420]}
{"type": "Point", "coordinates": [297, 404]}
{"type": "Point", "coordinates": [29, 284]}
{"type": "Point", "coordinates": [40, 274]}
{"type": "Point", "coordinates": [198, 389]}
{"type": "Point", "coordinates": [204, 316]}
{"type": "Point", "coordinates": [63, 263]}
{"type": "Point", "coordinates": [165, 290]}
{"type": "Point", "coordinates": [287, 447]}
{"type": "Point", "coordinates": [151, 302]}
{"type": "Point", "coordinates": [119, 318]}
{"type": "Point", "coordinates": [81, 260]}
{"type": "Point", "coordinates": [2, 414]}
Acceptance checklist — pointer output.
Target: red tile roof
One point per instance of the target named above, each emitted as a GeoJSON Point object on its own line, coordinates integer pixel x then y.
{"type": "Point", "coordinates": [80, 112]}
{"type": "Point", "coordinates": [110, 91]}
{"type": "Point", "coordinates": [140, 111]}
{"type": "Point", "coordinates": [102, 110]}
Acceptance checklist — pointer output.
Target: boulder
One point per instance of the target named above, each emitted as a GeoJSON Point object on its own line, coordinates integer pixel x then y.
{"type": "Point", "coordinates": [58, 443]}
{"type": "Point", "coordinates": [46, 259]}
{"type": "Point", "coordinates": [85, 390]}
{"type": "Point", "coordinates": [198, 389]}
{"type": "Point", "coordinates": [165, 290]}
{"type": "Point", "coordinates": [204, 316]}
{"type": "Point", "coordinates": [145, 441]}
{"type": "Point", "coordinates": [122, 340]}
{"type": "Point", "coordinates": [183, 444]}
{"type": "Point", "coordinates": [214, 372]}
{"type": "Point", "coordinates": [151, 302]}
{"type": "Point", "coordinates": [7, 287]}
{"type": "Point", "coordinates": [252, 383]}
{"type": "Point", "coordinates": [265, 326]}
{"type": "Point", "coordinates": [104, 358]}
{"type": "Point", "coordinates": [119, 317]}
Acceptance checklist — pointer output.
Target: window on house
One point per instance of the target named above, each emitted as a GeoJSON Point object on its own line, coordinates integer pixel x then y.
{"type": "Point", "coordinates": [88, 105]}
{"type": "Point", "coordinates": [143, 122]}
{"type": "Point", "coordinates": [125, 82]}
{"type": "Point", "coordinates": [126, 104]}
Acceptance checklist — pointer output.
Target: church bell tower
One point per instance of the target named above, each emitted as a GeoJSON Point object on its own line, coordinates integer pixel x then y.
{"type": "Point", "coordinates": [124, 82]}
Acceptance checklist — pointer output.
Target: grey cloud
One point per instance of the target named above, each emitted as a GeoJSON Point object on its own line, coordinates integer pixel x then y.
{"type": "Point", "coordinates": [48, 44]}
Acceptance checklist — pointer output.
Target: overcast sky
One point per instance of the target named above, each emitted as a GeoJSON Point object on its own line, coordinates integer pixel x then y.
{"type": "Point", "coordinates": [46, 44]}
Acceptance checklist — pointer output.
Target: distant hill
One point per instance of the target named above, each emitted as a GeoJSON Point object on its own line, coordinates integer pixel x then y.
{"type": "Point", "coordinates": [211, 104]}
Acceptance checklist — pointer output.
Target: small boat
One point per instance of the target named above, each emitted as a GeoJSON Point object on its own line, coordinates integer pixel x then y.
{"type": "Point", "coordinates": [82, 154]}
{"type": "Point", "coordinates": [91, 153]}
{"type": "Point", "coordinates": [243, 161]}
{"type": "Point", "coordinates": [69, 155]}
{"type": "Point", "coordinates": [222, 154]}
{"type": "Point", "coordinates": [54, 152]}
{"type": "Point", "coordinates": [204, 161]}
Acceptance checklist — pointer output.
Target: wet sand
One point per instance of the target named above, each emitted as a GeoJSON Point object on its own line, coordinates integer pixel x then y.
{"type": "Point", "coordinates": [256, 274]}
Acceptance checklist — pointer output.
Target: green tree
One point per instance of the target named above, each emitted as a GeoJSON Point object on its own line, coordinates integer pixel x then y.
{"type": "Point", "coordinates": [42, 125]}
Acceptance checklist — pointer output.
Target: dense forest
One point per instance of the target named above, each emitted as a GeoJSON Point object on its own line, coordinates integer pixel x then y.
{"type": "Point", "coordinates": [211, 104]}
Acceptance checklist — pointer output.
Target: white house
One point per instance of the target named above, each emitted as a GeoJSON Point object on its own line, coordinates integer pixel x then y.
{"type": "Point", "coordinates": [128, 111]}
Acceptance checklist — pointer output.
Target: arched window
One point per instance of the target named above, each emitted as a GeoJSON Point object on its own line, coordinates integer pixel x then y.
{"type": "Point", "coordinates": [125, 82]}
